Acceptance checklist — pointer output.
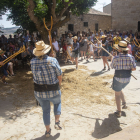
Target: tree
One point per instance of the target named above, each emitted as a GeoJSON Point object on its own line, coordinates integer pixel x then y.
{"type": "Point", "coordinates": [29, 13]}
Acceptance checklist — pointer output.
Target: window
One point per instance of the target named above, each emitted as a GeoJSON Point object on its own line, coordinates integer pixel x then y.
{"type": "Point", "coordinates": [70, 27]}
{"type": "Point", "coordinates": [85, 24]}
{"type": "Point", "coordinates": [96, 27]}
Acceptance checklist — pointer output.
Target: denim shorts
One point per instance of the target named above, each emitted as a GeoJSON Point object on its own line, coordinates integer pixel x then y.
{"type": "Point", "coordinates": [104, 53]}
{"type": "Point", "coordinates": [74, 55]}
{"type": "Point", "coordinates": [117, 86]}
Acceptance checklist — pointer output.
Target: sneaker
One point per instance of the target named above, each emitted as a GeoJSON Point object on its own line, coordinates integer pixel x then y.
{"type": "Point", "coordinates": [57, 126]}
{"type": "Point", "coordinates": [48, 134]}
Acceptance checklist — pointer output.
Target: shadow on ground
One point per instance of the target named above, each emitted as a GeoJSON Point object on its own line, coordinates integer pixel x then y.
{"type": "Point", "coordinates": [109, 126]}
{"type": "Point", "coordinates": [18, 96]}
{"type": "Point", "coordinates": [98, 73]}
{"type": "Point", "coordinates": [106, 127]}
{"type": "Point", "coordinates": [134, 103]}
{"type": "Point", "coordinates": [50, 138]}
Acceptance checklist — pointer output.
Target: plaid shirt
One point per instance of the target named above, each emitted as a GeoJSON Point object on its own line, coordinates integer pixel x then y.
{"type": "Point", "coordinates": [45, 71]}
{"type": "Point", "coordinates": [123, 62]}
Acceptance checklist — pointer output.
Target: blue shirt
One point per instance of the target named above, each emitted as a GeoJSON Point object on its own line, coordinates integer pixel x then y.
{"type": "Point", "coordinates": [76, 47]}
{"type": "Point", "coordinates": [26, 38]}
{"type": "Point", "coordinates": [45, 71]}
{"type": "Point", "coordinates": [123, 62]}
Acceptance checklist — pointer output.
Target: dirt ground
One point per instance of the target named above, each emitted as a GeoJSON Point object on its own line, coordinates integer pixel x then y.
{"type": "Point", "coordinates": [87, 106]}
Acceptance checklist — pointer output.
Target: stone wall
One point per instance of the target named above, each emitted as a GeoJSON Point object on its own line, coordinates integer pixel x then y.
{"type": "Point", "coordinates": [104, 23]}
{"type": "Point", "coordinates": [125, 14]}
{"type": "Point", "coordinates": [107, 9]}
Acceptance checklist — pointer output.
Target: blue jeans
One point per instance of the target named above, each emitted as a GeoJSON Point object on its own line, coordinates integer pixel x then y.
{"type": "Point", "coordinates": [45, 104]}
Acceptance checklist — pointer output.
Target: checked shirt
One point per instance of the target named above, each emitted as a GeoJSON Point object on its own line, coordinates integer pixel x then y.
{"type": "Point", "coordinates": [123, 62]}
{"type": "Point", "coordinates": [45, 71]}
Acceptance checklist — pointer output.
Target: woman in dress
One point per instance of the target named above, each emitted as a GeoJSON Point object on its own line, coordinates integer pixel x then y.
{"type": "Point", "coordinates": [104, 53]}
{"type": "Point", "coordinates": [83, 46]}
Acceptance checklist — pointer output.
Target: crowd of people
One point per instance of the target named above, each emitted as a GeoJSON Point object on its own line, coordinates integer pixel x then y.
{"type": "Point", "coordinates": [90, 43]}
{"type": "Point", "coordinates": [11, 45]}
{"type": "Point", "coordinates": [79, 46]}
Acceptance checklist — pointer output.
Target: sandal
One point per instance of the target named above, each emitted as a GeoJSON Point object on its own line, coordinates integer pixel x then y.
{"type": "Point", "coordinates": [124, 105]}
{"type": "Point", "coordinates": [117, 114]}
{"type": "Point", "coordinates": [109, 69]}
{"type": "Point", "coordinates": [48, 134]}
{"type": "Point", "coordinates": [57, 126]}
{"type": "Point", "coordinates": [104, 68]}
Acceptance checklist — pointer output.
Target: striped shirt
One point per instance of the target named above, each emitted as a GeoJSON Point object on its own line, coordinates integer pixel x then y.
{"type": "Point", "coordinates": [45, 71]}
{"type": "Point", "coordinates": [123, 62]}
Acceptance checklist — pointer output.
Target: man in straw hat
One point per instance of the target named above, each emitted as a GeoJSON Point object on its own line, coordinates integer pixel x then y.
{"type": "Point", "coordinates": [47, 76]}
{"type": "Point", "coordinates": [123, 64]}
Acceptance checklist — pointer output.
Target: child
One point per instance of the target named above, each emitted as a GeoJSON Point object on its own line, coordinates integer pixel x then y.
{"type": "Point", "coordinates": [96, 49]}
{"type": "Point", "coordinates": [114, 53]}
{"type": "Point", "coordinates": [99, 49]}
{"type": "Point", "coordinates": [91, 51]}
{"type": "Point", "coordinates": [133, 48]}
{"type": "Point", "coordinates": [64, 49]}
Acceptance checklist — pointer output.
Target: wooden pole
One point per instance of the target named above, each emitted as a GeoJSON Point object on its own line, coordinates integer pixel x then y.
{"type": "Point", "coordinates": [49, 31]}
{"type": "Point", "coordinates": [14, 55]}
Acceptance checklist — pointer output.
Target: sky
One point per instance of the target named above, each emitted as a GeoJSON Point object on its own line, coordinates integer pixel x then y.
{"type": "Point", "coordinates": [99, 6]}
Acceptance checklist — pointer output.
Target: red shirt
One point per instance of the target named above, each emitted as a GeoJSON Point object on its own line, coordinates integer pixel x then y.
{"type": "Point", "coordinates": [64, 48]}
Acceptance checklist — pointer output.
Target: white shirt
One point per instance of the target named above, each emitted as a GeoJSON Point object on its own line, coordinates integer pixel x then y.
{"type": "Point", "coordinates": [91, 48]}
{"type": "Point", "coordinates": [95, 49]}
{"type": "Point", "coordinates": [55, 44]}
{"type": "Point", "coordinates": [68, 50]}
{"type": "Point", "coordinates": [70, 40]}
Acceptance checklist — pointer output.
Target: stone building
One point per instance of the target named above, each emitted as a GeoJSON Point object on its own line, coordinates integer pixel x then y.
{"type": "Point", "coordinates": [93, 20]}
{"type": "Point", "coordinates": [125, 15]}
{"type": "Point", "coordinates": [107, 9]}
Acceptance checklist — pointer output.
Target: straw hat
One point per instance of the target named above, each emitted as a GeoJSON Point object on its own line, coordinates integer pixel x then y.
{"type": "Point", "coordinates": [75, 37]}
{"type": "Point", "coordinates": [41, 48]}
{"type": "Point", "coordinates": [103, 36]}
{"type": "Point", "coordinates": [127, 39]}
{"type": "Point", "coordinates": [70, 34]}
{"type": "Point", "coordinates": [1, 51]}
{"type": "Point", "coordinates": [121, 46]}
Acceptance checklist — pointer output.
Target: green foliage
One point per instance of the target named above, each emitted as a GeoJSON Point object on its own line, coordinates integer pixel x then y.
{"type": "Point", "coordinates": [19, 14]}
{"type": "Point", "coordinates": [41, 9]}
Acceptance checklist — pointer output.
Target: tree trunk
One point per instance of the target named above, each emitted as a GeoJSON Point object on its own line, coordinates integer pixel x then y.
{"type": "Point", "coordinates": [44, 35]}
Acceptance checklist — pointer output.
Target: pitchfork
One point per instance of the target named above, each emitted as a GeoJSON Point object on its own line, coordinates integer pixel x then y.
{"type": "Point", "coordinates": [49, 31]}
